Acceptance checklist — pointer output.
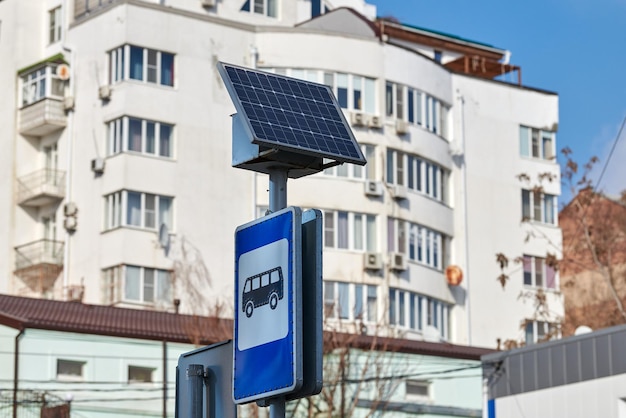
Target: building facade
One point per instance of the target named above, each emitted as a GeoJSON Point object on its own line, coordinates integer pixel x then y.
{"type": "Point", "coordinates": [117, 187]}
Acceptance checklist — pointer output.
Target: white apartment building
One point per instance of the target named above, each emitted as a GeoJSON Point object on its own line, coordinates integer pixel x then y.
{"type": "Point", "coordinates": [116, 122]}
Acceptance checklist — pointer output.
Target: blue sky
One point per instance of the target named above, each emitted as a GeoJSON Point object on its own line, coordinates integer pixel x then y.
{"type": "Point", "coordinates": [575, 48]}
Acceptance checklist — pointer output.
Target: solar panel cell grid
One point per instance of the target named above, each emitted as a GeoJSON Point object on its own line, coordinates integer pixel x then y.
{"type": "Point", "coordinates": [293, 114]}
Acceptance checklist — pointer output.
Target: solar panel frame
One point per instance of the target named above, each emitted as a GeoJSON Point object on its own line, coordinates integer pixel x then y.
{"type": "Point", "coordinates": [290, 114]}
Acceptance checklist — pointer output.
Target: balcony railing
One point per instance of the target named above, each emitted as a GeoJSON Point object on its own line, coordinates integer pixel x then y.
{"type": "Point", "coordinates": [42, 117]}
{"type": "Point", "coordinates": [39, 263]}
{"type": "Point", "coordinates": [41, 187]}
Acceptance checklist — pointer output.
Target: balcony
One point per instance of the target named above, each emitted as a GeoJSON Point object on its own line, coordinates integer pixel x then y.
{"type": "Point", "coordinates": [39, 264]}
{"type": "Point", "coordinates": [41, 188]}
{"type": "Point", "coordinates": [42, 117]}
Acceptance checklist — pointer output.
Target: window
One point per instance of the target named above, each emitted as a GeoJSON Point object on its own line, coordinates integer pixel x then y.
{"type": "Point", "coordinates": [421, 244]}
{"type": "Point", "coordinates": [350, 301]}
{"type": "Point", "coordinates": [538, 273]}
{"type": "Point", "coordinates": [414, 311]}
{"type": "Point", "coordinates": [350, 231]}
{"type": "Point", "coordinates": [55, 21]}
{"type": "Point", "coordinates": [131, 62]}
{"type": "Point", "coordinates": [536, 143]}
{"type": "Point", "coordinates": [141, 136]}
{"type": "Point", "coordinates": [41, 83]}
{"type": "Point", "coordinates": [262, 7]}
{"type": "Point", "coordinates": [318, 7]}
{"type": "Point", "coordinates": [417, 389]}
{"type": "Point", "coordinates": [70, 369]}
{"type": "Point", "coordinates": [539, 207]}
{"type": "Point", "coordinates": [421, 109]}
{"type": "Point", "coordinates": [417, 174]}
{"type": "Point", "coordinates": [137, 374]}
{"type": "Point", "coordinates": [354, 171]}
{"type": "Point", "coordinates": [137, 284]}
{"type": "Point", "coordinates": [437, 55]}
{"type": "Point", "coordinates": [143, 210]}
{"type": "Point", "coordinates": [538, 331]}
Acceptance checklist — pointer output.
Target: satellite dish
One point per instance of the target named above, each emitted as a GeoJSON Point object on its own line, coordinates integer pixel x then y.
{"type": "Point", "coordinates": [63, 72]}
{"type": "Point", "coordinates": [164, 238]}
{"type": "Point", "coordinates": [583, 329]}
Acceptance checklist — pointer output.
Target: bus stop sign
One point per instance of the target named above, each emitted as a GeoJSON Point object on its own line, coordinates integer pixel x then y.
{"type": "Point", "coordinates": [267, 350]}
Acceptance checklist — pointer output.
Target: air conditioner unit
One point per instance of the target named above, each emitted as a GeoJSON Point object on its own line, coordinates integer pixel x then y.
{"type": "Point", "coordinates": [68, 103]}
{"type": "Point", "coordinates": [104, 92]}
{"type": "Point", "coordinates": [70, 223]}
{"type": "Point", "coordinates": [97, 165]}
{"type": "Point", "coordinates": [398, 192]}
{"type": "Point", "coordinates": [397, 261]}
{"type": "Point", "coordinates": [402, 127]}
{"type": "Point", "coordinates": [376, 122]}
{"type": "Point", "coordinates": [358, 119]}
{"type": "Point", "coordinates": [207, 3]}
{"type": "Point", "coordinates": [75, 293]}
{"type": "Point", "coordinates": [373, 188]}
{"type": "Point", "coordinates": [70, 209]}
{"type": "Point", "coordinates": [372, 261]}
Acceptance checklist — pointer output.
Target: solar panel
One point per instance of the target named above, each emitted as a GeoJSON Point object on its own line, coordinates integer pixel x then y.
{"type": "Point", "coordinates": [291, 114]}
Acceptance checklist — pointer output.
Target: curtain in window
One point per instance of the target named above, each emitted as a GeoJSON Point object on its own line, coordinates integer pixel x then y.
{"type": "Point", "coordinates": [165, 211]}
{"type": "Point", "coordinates": [165, 140]}
{"type": "Point", "coordinates": [150, 132]}
{"type": "Point", "coordinates": [526, 204]}
{"type": "Point", "coordinates": [134, 134]}
{"type": "Point", "coordinates": [136, 63]}
{"type": "Point", "coordinates": [401, 309]}
{"type": "Point", "coordinates": [133, 212]}
{"type": "Point", "coordinates": [371, 233]}
{"type": "Point", "coordinates": [342, 230]}
{"type": "Point", "coordinates": [371, 303]}
{"type": "Point", "coordinates": [329, 299]}
{"type": "Point", "coordinates": [150, 211]}
{"type": "Point", "coordinates": [358, 301]}
{"type": "Point", "coordinates": [548, 210]}
{"type": "Point", "coordinates": [391, 234]}
{"type": "Point", "coordinates": [148, 285]}
{"type": "Point", "coordinates": [392, 306]}
{"type": "Point", "coordinates": [358, 231]}
{"type": "Point", "coordinates": [132, 283]}
{"type": "Point", "coordinates": [528, 272]}
{"type": "Point", "coordinates": [329, 229]}
{"type": "Point", "coordinates": [550, 277]}
{"type": "Point", "coordinates": [369, 95]}
{"type": "Point", "coordinates": [524, 141]}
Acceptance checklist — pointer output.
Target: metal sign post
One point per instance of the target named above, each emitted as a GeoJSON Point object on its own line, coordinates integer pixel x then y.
{"type": "Point", "coordinates": [286, 128]}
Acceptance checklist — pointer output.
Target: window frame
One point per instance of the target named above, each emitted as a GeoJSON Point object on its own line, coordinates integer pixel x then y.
{"type": "Point", "coordinates": [120, 66]}
{"type": "Point", "coordinates": [418, 174]}
{"type": "Point", "coordinates": [42, 79]}
{"type": "Point", "coordinates": [532, 143]}
{"type": "Point", "coordinates": [539, 204]}
{"type": "Point", "coordinates": [117, 278]}
{"type": "Point", "coordinates": [368, 312]}
{"type": "Point", "coordinates": [420, 244]}
{"type": "Point", "coordinates": [261, 7]}
{"type": "Point", "coordinates": [70, 377]}
{"type": "Point", "coordinates": [423, 110]}
{"type": "Point", "coordinates": [413, 311]}
{"type": "Point", "coordinates": [116, 211]}
{"type": "Point", "coordinates": [119, 137]}
{"type": "Point", "coordinates": [55, 25]}
{"type": "Point", "coordinates": [530, 275]}
{"type": "Point", "coordinates": [368, 227]}
{"type": "Point", "coordinates": [134, 367]}
{"type": "Point", "coordinates": [533, 326]}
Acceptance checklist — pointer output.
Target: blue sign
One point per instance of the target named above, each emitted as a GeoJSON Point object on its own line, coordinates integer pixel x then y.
{"type": "Point", "coordinates": [267, 358]}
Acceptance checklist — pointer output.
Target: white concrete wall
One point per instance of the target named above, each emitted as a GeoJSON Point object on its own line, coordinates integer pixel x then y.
{"type": "Point", "coordinates": [492, 113]}
{"type": "Point", "coordinates": [593, 398]}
